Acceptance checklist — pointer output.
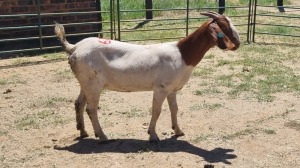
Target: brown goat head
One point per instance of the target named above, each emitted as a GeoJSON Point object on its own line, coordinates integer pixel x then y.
{"type": "Point", "coordinates": [225, 35]}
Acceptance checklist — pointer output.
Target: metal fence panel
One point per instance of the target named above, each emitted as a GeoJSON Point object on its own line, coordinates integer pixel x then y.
{"type": "Point", "coordinates": [140, 23]}
{"type": "Point", "coordinates": [263, 15]}
{"type": "Point", "coordinates": [184, 17]}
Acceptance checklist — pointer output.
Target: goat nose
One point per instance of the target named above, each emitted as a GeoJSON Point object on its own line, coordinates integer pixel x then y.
{"type": "Point", "coordinates": [236, 45]}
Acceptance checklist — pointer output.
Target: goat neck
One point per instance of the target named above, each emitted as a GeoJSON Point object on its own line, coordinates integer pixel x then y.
{"type": "Point", "coordinates": [194, 46]}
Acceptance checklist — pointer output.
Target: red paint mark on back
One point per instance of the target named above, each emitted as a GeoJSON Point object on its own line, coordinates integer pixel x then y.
{"type": "Point", "coordinates": [104, 41]}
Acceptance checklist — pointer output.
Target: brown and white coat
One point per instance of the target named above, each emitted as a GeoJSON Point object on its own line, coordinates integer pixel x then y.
{"type": "Point", "coordinates": [162, 68]}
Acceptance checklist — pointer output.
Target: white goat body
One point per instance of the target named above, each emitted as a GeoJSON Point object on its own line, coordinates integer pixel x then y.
{"type": "Point", "coordinates": [164, 68]}
{"type": "Point", "coordinates": [128, 67]}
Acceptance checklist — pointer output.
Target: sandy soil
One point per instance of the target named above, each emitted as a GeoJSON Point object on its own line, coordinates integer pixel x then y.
{"type": "Point", "coordinates": [37, 125]}
{"type": "Point", "coordinates": [38, 128]}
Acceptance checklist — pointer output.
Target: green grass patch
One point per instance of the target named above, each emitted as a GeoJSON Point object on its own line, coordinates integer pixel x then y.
{"type": "Point", "coordinates": [293, 124]}
{"type": "Point", "coordinates": [211, 90]}
{"type": "Point", "coordinates": [223, 62]}
{"type": "Point", "coordinates": [276, 29]}
{"type": "Point", "coordinates": [247, 132]}
{"type": "Point", "coordinates": [2, 158]}
{"type": "Point", "coordinates": [203, 72]}
{"type": "Point", "coordinates": [63, 75]}
{"type": "Point", "coordinates": [265, 75]}
{"type": "Point", "coordinates": [22, 61]}
{"type": "Point", "coordinates": [226, 80]}
{"type": "Point", "coordinates": [27, 122]}
{"type": "Point", "coordinates": [201, 138]}
{"type": "Point", "coordinates": [209, 106]}
{"type": "Point", "coordinates": [3, 132]}
{"type": "Point", "coordinates": [133, 112]}
{"type": "Point", "coordinates": [14, 79]}
{"type": "Point", "coordinates": [39, 120]}
{"type": "Point", "coordinates": [269, 131]}
{"type": "Point", "coordinates": [50, 102]}
{"type": "Point", "coordinates": [132, 9]}
{"type": "Point", "coordinates": [269, 2]}
{"type": "Point", "coordinates": [3, 81]}
{"type": "Point", "coordinates": [55, 56]}
{"type": "Point", "coordinates": [239, 134]}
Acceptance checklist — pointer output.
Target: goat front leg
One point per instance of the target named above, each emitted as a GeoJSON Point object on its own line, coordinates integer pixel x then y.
{"type": "Point", "coordinates": [158, 99]}
{"type": "Point", "coordinates": [79, 108]}
{"type": "Point", "coordinates": [174, 109]}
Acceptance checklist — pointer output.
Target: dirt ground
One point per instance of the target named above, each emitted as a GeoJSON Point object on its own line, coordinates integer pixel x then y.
{"type": "Point", "coordinates": [38, 129]}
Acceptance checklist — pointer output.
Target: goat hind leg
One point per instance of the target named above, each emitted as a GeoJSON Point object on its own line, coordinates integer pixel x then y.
{"type": "Point", "coordinates": [92, 107]}
{"type": "Point", "coordinates": [174, 109]}
{"type": "Point", "coordinates": [79, 108]}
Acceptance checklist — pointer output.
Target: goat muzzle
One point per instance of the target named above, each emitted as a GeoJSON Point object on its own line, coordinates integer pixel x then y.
{"type": "Point", "coordinates": [236, 44]}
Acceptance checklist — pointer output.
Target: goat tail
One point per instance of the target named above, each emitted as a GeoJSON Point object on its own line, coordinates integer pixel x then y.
{"type": "Point", "coordinates": [60, 33]}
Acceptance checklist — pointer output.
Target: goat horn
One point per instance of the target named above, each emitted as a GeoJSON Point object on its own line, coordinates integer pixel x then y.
{"type": "Point", "coordinates": [210, 14]}
{"type": "Point", "coordinates": [214, 13]}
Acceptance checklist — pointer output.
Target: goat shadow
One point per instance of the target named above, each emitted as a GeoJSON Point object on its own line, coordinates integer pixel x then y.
{"type": "Point", "coordinates": [90, 146]}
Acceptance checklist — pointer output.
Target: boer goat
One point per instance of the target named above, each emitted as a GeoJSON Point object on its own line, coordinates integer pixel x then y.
{"type": "Point", "coordinates": [164, 68]}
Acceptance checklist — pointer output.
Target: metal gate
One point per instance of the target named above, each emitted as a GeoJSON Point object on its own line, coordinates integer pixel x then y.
{"type": "Point", "coordinates": [185, 19]}
{"type": "Point", "coordinates": [262, 15]}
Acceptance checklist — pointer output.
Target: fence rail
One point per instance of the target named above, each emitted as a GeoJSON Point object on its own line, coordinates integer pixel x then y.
{"type": "Point", "coordinates": [284, 11]}
{"type": "Point", "coordinates": [116, 23]}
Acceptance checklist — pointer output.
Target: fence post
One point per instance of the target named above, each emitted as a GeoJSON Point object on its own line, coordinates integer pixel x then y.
{"type": "Point", "coordinates": [112, 19]}
{"type": "Point", "coordinates": [119, 20]}
{"type": "Point", "coordinates": [249, 21]}
{"type": "Point", "coordinates": [187, 17]}
{"type": "Point", "coordinates": [254, 21]}
{"type": "Point", "coordinates": [221, 6]}
{"type": "Point", "coordinates": [280, 5]}
{"type": "Point", "coordinates": [40, 25]}
{"type": "Point", "coordinates": [149, 13]}
{"type": "Point", "coordinates": [99, 16]}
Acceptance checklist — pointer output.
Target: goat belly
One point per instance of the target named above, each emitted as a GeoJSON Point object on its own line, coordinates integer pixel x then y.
{"type": "Point", "coordinates": [129, 82]}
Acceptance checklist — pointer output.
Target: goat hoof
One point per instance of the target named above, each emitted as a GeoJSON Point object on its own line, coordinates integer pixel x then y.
{"type": "Point", "coordinates": [154, 140]}
{"type": "Point", "coordinates": [84, 136]}
{"type": "Point", "coordinates": [180, 134]}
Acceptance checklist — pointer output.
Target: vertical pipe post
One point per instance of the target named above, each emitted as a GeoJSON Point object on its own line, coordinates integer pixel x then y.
{"type": "Point", "coordinates": [119, 19]}
{"type": "Point", "coordinates": [114, 17]}
{"type": "Point", "coordinates": [187, 17]}
{"type": "Point", "coordinates": [280, 5]}
{"type": "Point", "coordinates": [254, 20]}
{"type": "Point", "coordinates": [149, 6]}
{"type": "Point", "coordinates": [249, 21]}
{"type": "Point", "coordinates": [221, 6]}
{"type": "Point", "coordinates": [111, 19]}
{"type": "Point", "coordinates": [40, 25]}
{"type": "Point", "coordinates": [99, 16]}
